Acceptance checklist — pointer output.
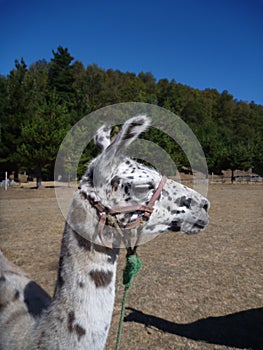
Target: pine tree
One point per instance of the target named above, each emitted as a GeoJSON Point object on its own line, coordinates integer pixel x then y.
{"type": "Point", "coordinates": [42, 135]}
{"type": "Point", "coordinates": [61, 77]}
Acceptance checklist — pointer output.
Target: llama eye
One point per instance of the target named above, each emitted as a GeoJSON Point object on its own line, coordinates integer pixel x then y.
{"type": "Point", "coordinates": [141, 189]}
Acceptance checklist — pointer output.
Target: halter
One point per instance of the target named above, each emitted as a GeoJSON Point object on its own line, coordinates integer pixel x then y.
{"type": "Point", "coordinates": [108, 215]}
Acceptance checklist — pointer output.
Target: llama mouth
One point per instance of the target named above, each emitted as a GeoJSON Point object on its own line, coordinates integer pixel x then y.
{"type": "Point", "coordinates": [200, 227]}
{"type": "Point", "coordinates": [201, 224]}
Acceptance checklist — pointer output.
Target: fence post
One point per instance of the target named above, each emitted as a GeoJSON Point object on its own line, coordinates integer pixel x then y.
{"type": "Point", "coordinates": [6, 180]}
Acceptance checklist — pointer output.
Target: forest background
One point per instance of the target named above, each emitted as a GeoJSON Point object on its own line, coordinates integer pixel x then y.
{"type": "Point", "coordinates": [39, 104]}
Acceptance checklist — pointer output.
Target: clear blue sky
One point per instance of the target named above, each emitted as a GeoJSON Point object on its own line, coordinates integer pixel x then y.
{"type": "Point", "coordinates": [201, 43]}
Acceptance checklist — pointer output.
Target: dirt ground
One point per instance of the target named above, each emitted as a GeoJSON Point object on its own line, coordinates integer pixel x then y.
{"type": "Point", "coordinates": [194, 292]}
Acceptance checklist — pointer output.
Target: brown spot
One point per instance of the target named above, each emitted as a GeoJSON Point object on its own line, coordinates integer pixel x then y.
{"type": "Point", "coordinates": [76, 328]}
{"type": "Point", "coordinates": [82, 242]}
{"type": "Point", "coordinates": [78, 214]}
{"type": "Point", "coordinates": [80, 331]}
{"type": "Point", "coordinates": [2, 278]}
{"type": "Point", "coordinates": [15, 315]}
{"type": "Point", "coordinates": [60, 319]}
{"type": "Point", "coordinates": [16, 295]}
{"type": "Point", "coordinates": [40, 339]}
{"type": "Point", "coordinates": [101, 278]}
{"type": "Point", "coordinates": [3, 305]}
{"type": "Point", "coordinates": [71, 319]}
{"type": "Point", "coordinates": [60, 280]}
{"type": "Point", "coordinates": [115, 183]}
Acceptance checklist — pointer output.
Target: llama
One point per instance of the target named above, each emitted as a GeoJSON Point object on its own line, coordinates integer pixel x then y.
{"type": "Point", "coordinates": [117, 197]}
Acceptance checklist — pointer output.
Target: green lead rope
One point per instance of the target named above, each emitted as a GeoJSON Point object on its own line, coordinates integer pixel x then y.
{"type": "Point", "coordinates": [133, 266]}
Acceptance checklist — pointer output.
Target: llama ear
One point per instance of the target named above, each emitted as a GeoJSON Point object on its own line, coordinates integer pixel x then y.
{"type": "Point", "coordinates": [130, 131]}
{"type": "Point", "coordinates": [102, 137]}
{"type": "Point", "coordinates": [114, 153]}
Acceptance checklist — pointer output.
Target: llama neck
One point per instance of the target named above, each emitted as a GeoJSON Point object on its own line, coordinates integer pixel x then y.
{"type": "Point", "coordinates": [80, 314]}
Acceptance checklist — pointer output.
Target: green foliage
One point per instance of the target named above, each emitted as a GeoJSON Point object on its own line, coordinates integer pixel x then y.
{"type": "Point", "coordinates": [42, 134]}
{"type": "Point", "coordinates": [61, 75]}
{"type": "Point", "coordinates": [15, 95]}
{"type": "Point", "coordinates": [39, 104]}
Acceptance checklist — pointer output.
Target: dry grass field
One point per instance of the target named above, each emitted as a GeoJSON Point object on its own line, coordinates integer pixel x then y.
{"type": "Point", "coordinates": [194, 292]}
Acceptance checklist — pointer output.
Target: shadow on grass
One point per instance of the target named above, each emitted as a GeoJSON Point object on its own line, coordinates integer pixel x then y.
{"type": "Point", "coordinates": [243, 330]}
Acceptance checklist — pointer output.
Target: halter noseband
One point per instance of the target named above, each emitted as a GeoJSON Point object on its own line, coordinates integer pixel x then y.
{"type": "Point", "coordinates": [108, 215]}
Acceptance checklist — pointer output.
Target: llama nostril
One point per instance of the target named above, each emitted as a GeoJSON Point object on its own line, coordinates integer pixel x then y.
{"type": "Point", "coordinates": [205, 207]}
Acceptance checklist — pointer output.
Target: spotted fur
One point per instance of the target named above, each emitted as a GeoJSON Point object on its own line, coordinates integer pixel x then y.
{"type": "Point", "coordinates": [101, 278]}
{"type": "Point", "coordinates": [79, 314]}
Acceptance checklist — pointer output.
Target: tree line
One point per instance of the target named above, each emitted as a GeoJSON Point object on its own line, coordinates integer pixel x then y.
{"type": "Point", "coordinates": [39, 104]}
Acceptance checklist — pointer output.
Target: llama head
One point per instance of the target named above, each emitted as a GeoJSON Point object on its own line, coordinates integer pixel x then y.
{"type": "Point", "coordinates": [115, 180]}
